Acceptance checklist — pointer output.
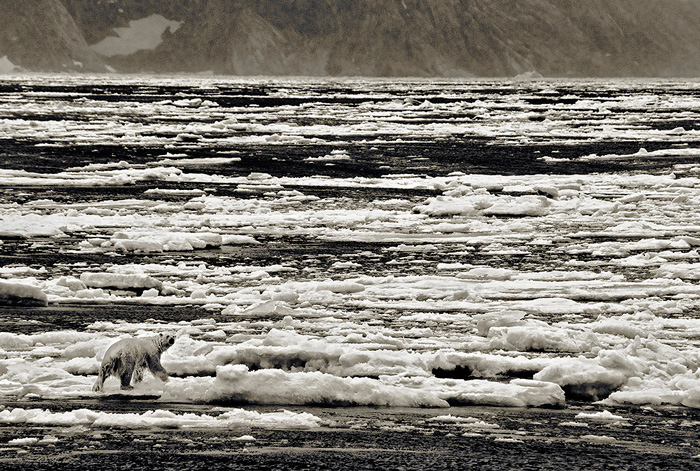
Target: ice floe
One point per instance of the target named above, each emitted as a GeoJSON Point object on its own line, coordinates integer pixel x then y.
{"type": "Point", "coordinates": [499, 289]}
{"type": "Point", "coordinates": [21, 294]}
{"type": "Point", "coordinates": [225, 418]}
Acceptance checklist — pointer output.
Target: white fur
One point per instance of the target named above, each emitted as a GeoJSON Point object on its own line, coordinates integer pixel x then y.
{"type": "Point", "coordinates": [127, 358]}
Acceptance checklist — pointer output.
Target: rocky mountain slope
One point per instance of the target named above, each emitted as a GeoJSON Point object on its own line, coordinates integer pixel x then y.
{"type": "Point", "coordinates": [358, 37]}
{"type": "Point", "coordinates": [42, 35]}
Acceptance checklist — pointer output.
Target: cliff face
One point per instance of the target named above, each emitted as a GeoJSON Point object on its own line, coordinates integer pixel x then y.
{"type": "Point", "coordinates": [41, 35]}
{"type": "Point", "coordinates": [384, 37]}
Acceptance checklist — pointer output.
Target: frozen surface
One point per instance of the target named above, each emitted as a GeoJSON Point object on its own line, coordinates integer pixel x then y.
{"type": "Point", "coordinates": [17, 293]}
{"type": "Point", "coordinates": [353, 243]}
{"type": "Point", "coordinates": [161, 418]}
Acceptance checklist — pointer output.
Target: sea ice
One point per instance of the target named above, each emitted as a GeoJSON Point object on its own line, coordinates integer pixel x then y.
{"type": "Point", "coordinates": [461, 281]}
{"type": "Point", "coordinates": [271, 386]}
{"type": "Point", "coordinates": [21, 294]}
{"type": "Point", "coordinates": [160, 418]}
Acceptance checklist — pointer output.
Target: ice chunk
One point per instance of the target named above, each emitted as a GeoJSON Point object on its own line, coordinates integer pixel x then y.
{"type": "Point", "coordinates": [21, 294]}
{"type": "Point", "coordinates": [517, 393]}
{"type": "Point", "coordinates": [120, 281]}
{"type": "Point", "coordinates": [23, 441]}
{"type": "Point", "coordinates": [237, 239]}
{"type": "Point", "coordinates": [519, 206]}
{"type": "Point", "coordinates": [163, 241]}
{"type": "Point", "coordinates": [236, 383]}
{"type": "Point", "coordinates": [584, 378]}
{"type": "Point", "coordinates": [334, 156]}
{"type": "Point", "coordinates": [160, 418]}
{"type": "Point", "coordinates": [484, 322]}
{"type": "Point", "coordinates": [267, 308]}
{"type": "Point", "coordinates": [341, 287]}
{"type": "Point", "coordinates": [603, 416]}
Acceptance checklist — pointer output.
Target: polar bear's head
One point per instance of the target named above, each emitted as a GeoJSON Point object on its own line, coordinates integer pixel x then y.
{"type": "Point", "coordinates": [165, 341]}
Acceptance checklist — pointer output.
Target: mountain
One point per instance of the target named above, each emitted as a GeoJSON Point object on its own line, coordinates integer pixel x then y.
{"type": "Point", "coordinates": [357, 37]}
{"type": "Point", "coordinates": [42, 35]}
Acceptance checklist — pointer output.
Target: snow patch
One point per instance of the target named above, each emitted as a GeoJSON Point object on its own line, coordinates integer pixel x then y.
{"type": "Point", "coordinates": [7, 67]}
{"type": "Point", "coordinates": [143, 34]}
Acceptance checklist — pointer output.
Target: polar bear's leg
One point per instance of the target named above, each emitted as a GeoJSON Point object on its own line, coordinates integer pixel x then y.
{"type": "Point", "coordinates": [157, 369]}
{"type": "Point", "coordinates": [105, 372]}
{"type": "Point", "coordinates": [125, 379]}
{"type": "Point", "coordinates": [127, 370]}
{"type": "Point", "coordinates": [138, 374]}
{"type": "Point", "coordinates": [97, 387]}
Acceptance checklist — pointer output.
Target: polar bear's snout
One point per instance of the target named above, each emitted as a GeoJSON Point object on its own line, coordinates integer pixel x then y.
{"type": "Point", "coordinates": [166, 341]}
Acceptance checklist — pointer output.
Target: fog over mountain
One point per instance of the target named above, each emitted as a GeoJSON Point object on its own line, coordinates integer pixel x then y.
{"type": "Point", "coordinates": [355, 37]}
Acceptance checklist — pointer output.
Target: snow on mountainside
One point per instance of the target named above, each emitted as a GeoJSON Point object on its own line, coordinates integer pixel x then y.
{"type": "Point", "coordinates": [367, 37]}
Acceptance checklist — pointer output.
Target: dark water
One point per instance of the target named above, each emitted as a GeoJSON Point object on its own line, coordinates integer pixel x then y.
{"type": "Point", "coordinates": [467, 150]}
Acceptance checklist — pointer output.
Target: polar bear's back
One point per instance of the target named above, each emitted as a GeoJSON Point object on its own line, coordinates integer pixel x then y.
{"type": "Point", "coordinates": [132, 347]}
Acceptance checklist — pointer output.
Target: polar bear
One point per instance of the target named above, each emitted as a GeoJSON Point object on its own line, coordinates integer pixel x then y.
{"type": "Point", "coordinates": [129, 357]}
